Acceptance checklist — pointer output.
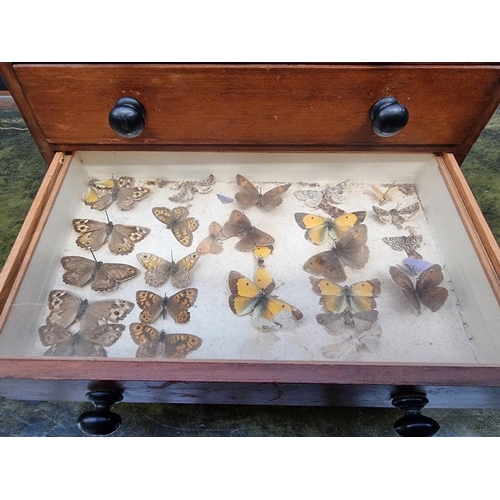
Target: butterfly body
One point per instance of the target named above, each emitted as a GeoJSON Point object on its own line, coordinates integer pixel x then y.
{"type": "Point", "coordinates": [248, 297]}
{"type": "Point", "coordinates": [426, 290]}
{"type": "Point", "coordinates": [159, 270]}
{"type": "Point", "coordinates": [120, 238]}
{"type": "Point", "coordinates": [155, 344]}
{"type": "Point", "coordinates": [397, 216]}
{"type": "Point", "coordinates": [153, 306]}
{"type": "Point", "coordinates": [350, 249]}
{"type": "Point", "coordinates": [359, 297]}
{"type": "Point", "coordinates": [239, 225]}
{"type": "Point", "coordinates": [249, 195]}
{"type": "Point", "coordinates": [178, 222]}
{"type": "Point", "coordinates": [103, 277]}
{"type": "Point", "coordinates": [320, 230]}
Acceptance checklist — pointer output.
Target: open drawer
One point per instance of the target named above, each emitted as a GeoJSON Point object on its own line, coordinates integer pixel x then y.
{"type": "Point", "coordinates": [295, 339]}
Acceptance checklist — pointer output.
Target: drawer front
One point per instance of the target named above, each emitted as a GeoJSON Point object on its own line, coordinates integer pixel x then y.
{"type": "Point", "coordinates": [238, 106]}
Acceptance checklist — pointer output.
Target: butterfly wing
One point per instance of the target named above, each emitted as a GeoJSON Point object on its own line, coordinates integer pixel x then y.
{"type": "Point", "coordinates": [351, 248]}
{"type": "Point", "coordinates": [183, 230]}
{"type": "Point", "coordinates": [102, 312]}
{"type": "Point", "coordinates": [103, 335]}
{"type": "Point", "coordinates": [311, 197]}
{"type": "Point", "coordinates": [364, 320]}
{"type": "Point", "coordinates": [326, 264]}
{"type": "Point", "coordinates": [273, 198]}
{"type": "Point", "coordinates": [346, 221]}
{"type": "Point", "coordinates": [158, 270]}
{"type": "Point", "coordinates": [179, 303]}
{"type": "Point", "coordinates": [339, 192]}
{"type": "Point", "coordinates": [164, 215]}
{"type": "Point", "coordinates": [333, 322]}
{"type": "Point", "coordinates": [416, 265]}
{"type": "Point", "coordinates": [64, 307]}
{"type": "Point", "coordinates": [362, 295]}
{"type": "Point", "coordinates": [110, 274]}
{"type": "Point", "coordinates": [237, 224]}
{"type": "Point", "coordinates": [383, 215]}
{"type": "Point", "coordinates": [151, 305]}
{"type": "Point", "coordinates": [248, 195]}
{"type": "Point", "coordinates": [212, 244]}
{"type": "Point", "coordinates": [409, 211]}
{"type": "Point", "coordinates": [402, 280]}
{"type": "Point", "coordinates": [333, 296]}
{"type": "Point", "coordinates": [123, 238]}
{"type": "Point", "coordinates": [79, 270]}
{"type": "Point", "coordinates": [51, 335]}
{"type": "Point", "coordinates": [128, 196]}
{"type": "Point", "coordinates": [427, 290]}
{"type": "Point", "coordinates": [180, 273]}
{"type": "Point", "coordinates": [317, 227]}
{"type": "Point", "coordinates": [271, 313]}
{"type": "Point", "coordinates": [179, 345]}
{"type": "Point", "coordinates": [93, 234]}
{"type": "Point", "coordinates": [244, 294]}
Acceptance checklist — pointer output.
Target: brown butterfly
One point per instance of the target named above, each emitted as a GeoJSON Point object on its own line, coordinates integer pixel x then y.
{"type": "Point", "coordinates": [329, 194]}
{"type": "Point", "coordinates": [239, 225]}
{"type": "Point", "coordinates": [121, 190]}
{"type": "Point", "coordinates": [155, 344]}
{"type": "Point", "coordinates": [426, 290]}
{"type": "Point", "coordinates": [362, 321]}
{"type": "Point", "coordinates": [88, 343]}
{"type": "Point", "coordinates": [187, 189]}
{"type": "Point", "coordinates": [212, 243]}
{"type": "Point", "coordinates": [103, 277]}
{"type": "Point", "coordinates": [178, 222]}
{"type": "Point", "coordinates": [158, 270]}
{"type": "Point", "coordinates": [397, 216]}
{"type": "Point", "coordinates": [121, 239]}
{"type": "Point", "coordinates": [406, 243]}
{"type": "Point", "coordinates": [67, 308]}
{"type": "Point", "coordinates": [350, 250]}
{"type": "Point", "coordinates": [249, 195]}
{"type": "Point", "coordinates": [153, 306]}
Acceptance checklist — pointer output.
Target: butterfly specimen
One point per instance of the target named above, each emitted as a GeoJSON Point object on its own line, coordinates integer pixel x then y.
{"type": "Point", "coordinates": [187, 189]}
{"type": "Point", "coordinates": [103, 277]}
{"type": "Point", "coordinates": [159, 270]}
{"type": "Point", "coordinates": [92, 193]}
{"type": "Point", "coordinates": [426, 290]}
{"type": "Point", "coordinates": [415, 263]}
{"type": "Point", "coordinates": [121, 239]}
{"type": "Point", "coordinates": [358, 297]}
{"type": "Point", "coordinates": [397, 216]}
{"type": "Point", "coordinates": [67, 308]}
{"type": "Point", "coordinates": [239, 225]}
{"type": "Point", "coordinates": [338, 322]}
{"type": "Point", "coordinates": [224, 199]}
{"type": "Point", "coordinates": [319, 229]}
{"type": "Point", "coordinates": [178, 222]}
{"type": "Point", "coordinates": [350, 249]}
{"type": "Point", "coordinates": [386, 195]}
{"type": "Point", "coordinates": [121, 190]}
{"type": "Point", "coordinates": [212, 243]}
{"type": "Point", "coordinates": [328, 194]}
{"type": "Point", "coordinates": [153, 306]}
{"type": "Point", "coordinates": [261, 253]}
{"type": "Point", "coordinates": [348, 347]}
{"type": "Point", "coordinates": [155, 344]}
{"type": "Point", "coordinates": [249, 195]}
{"type": "Point", "coordinates": [248, 297]}
{"type": "Point", "coordinates": [89, 343]}
{"type": "Point", "coordinates": [406, 243]}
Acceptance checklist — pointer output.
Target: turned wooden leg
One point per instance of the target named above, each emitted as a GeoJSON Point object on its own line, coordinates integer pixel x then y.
{"type": "Point", "coordinates": [414, 424]}
{"type": "Point", "coordinates": [100, 421]}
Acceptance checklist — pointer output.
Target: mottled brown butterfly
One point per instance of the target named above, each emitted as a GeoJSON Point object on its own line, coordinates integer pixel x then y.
{"type": "Point", "coordinates": [178, 222]}
{"type": "Point", "coordinates": [153, 306]}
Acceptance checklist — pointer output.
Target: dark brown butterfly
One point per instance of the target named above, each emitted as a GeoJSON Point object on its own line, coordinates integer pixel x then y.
{"type": "Point", "coordinates": [350, 250]}
{"type": "Point", "coordinates": [249, 195]}
{"type": "Point", "coordinates": [239, 225]}
{"type": "Point", "coordinates": [426, 290]}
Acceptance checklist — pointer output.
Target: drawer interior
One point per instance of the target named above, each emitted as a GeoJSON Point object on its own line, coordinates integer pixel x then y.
{"type": "Point", "coordinates": [464, 330]}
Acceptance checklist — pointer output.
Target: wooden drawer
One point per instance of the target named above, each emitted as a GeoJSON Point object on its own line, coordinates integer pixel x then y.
{"type": "Point", "coordinates": [452, 355]}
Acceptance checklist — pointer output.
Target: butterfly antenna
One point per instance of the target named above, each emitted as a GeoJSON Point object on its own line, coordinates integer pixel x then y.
{"type": "Point", "coordinates": [91, 251]}
{"type": "Point", "coordinates": [106, 212]}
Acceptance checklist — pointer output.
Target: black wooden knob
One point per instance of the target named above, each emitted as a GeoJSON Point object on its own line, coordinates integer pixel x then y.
{"type": "Point", "coordinates": [100, 421]}
{"type": "Point", "coordinates": [414, 424]}
{"type": "Point", "coordinates": [388, 117]}
{"type": "Point", "coordinates": [128, 117]}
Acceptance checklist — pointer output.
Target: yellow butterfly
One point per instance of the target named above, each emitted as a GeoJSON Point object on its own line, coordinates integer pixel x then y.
{"type": "Point", "coordinates": [268, 312]}
{"type": "Point", "coordinates": [249, 195]}
{"type": "Point", "coordinates": [384, 196]}
{"type": "Point", "coordinates": [319, 229]}
{"type": "Point", "coordinates": [158, 270]}
{"type": "Point", "coordinates": [178, 222]}
{"type": "Point", "coordinates": [261, 252]}
{"type": "Point", "coordinates": [358, 297]}
{"type": "Point", "coordinates": [155, 344]}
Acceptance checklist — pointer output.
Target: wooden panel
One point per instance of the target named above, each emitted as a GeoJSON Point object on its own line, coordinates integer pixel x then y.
{"type": "Point", "coordinates": [237, 106]}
